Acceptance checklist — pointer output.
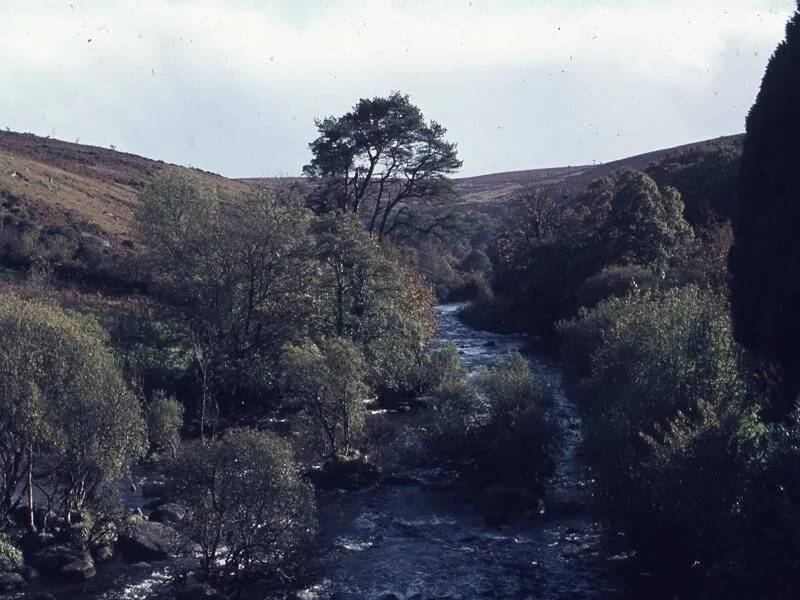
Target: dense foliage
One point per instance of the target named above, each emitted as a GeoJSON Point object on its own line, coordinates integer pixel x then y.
{"type": "Point", "coordinates": [491, 428]}
{"type": "Point", "coordinates": [702, 483]}
{"type": "Point", "coordinates": [246, 506]}
{"type": "Point", "coordinates": [62, 397]}
{"type": "Point", "coordinates": [552, 256]}
{"type": "Point", "coordinates": [383, 161]}
{"type": "Point", "coordinates": [327, 381]}
{"type": "Point", "coordinates": [765, 285]}
{"type": "Point", "coordinates": [247, 279]}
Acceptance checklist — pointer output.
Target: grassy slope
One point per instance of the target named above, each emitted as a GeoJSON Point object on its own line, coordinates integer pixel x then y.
{"type": "Point", "coordinates": [477, 192]}
{"type": "Point", "coordinates": [66, 182]}
{"type": "Point", "coordinates": [70, 182]}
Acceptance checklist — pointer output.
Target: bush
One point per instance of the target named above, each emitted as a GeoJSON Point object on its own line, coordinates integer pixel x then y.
{"type": "Point", "coordinates": [670, 424]}
{"type": "Point", "coordinates": [492, 428]}
{"type": "Point", "coordinates": [439, 368]}
{"type": "Point", "coordinates": [62, 394]}
{"type": "Point", "coordinates": [615, 282]}
{"type": "Point", "coordinates": [641, 359]}
{"type": "Point", "coordinates": [327, 380]}
{"type": "Point", "coordinates": [164, 423]}
{"type": "Point", "coordinates": [10, 555]}
{"type": "Point", "coordinates": [246, 506]}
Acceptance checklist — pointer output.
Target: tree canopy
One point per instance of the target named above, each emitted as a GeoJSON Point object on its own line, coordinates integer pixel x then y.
{"type": "Point", "coordinates": [382, 160]}
{"type": "Point", "coordinates": [765, 282]}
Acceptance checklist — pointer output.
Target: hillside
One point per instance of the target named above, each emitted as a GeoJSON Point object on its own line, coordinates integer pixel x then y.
{"type": "Point", "coordinates": [74, 200]}
{"type": "Point", "coordinates": [52, 183]}
{"type": "Point", "coordinates": [490, 189]}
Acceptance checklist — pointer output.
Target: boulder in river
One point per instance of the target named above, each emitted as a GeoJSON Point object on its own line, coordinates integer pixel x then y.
{"type": "Point", "coordinates": [168, 513]}
{"type": "Point", "coordinates": [344, 474]}
{"type": "Point", "coordinates": [146, 540]}
{"type": "Point", "coordinates": [63, 562]}
{"type": "Point", "coordinates": [11, 582]}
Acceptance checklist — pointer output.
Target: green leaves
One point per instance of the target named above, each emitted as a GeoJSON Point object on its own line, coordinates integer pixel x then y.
{"type": "Point", "coordinates": [62, 394]}
{"type": "Point", "coordinates": [246, 505]}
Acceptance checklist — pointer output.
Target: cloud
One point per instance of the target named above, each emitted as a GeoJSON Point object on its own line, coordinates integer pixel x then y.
{"type": "Point", "coordinates": [235, 86]}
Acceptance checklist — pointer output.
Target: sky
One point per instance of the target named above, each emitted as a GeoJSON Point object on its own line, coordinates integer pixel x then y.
{"type": "Point", "coordinates": [234, 86]}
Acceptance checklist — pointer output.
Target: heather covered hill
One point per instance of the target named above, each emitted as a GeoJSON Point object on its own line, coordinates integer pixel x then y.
{"type": "Point", "coordinates": [49, 183]}
{"type": "Point", "coordinates": [499, 187]}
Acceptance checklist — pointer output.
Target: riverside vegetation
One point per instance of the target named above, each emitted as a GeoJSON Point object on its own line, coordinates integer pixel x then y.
{"type": "Point", "coordinates": [276, 319]}
{"type": "Point", "coordinates": [683, 363]}
{"type": "Point", "coordinates": [274, 306]}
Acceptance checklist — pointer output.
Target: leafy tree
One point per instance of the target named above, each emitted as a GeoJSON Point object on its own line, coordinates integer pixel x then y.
{"type": "Point", "coordinates": [62, 395]}
{"type": "Point", "coordinates": [705, 175]}
{"type": "Point", "coordinates": [164, 423]}
{"type": "Point", "coordinates": [368, 297]}
{"type": "Point", "coordinates": [328, 382]}
{"type": "Point", "coordinates": [247, 507]}
{"type": "Point", "coordinates": [382, 160]}
{"type": "Point", "coordinates": [643, 224]}
{"type": "Point", "coordinates": [239, 274]}
{"type": "Point", "coordinates": [547, 250]}
{"type": "Point", "coordinates": [765, 287]}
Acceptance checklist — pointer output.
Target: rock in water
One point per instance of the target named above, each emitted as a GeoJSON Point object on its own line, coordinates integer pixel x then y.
{"type": "Point", "coordinates": [11, 582]}
{"type": "Point", "coordinates": [344, 474]}
{"type": "Point", "coordinates": [168, 513]}
{"type": "Point", "coordinates": [146, 540]}
{"type": "Point", "coordinates": [62, 562]}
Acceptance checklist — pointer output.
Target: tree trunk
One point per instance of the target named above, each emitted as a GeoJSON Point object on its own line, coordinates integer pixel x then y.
{"type": "Point", "coordinates": [31, 522]}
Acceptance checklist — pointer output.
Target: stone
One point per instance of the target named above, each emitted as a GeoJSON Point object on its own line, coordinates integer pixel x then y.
{"type": "Point", "coordinates": [11, 582]}
{"type": "Point", "coordinates": [146, 540]}
{"type": "Point", "coordinates": [344, 474]}
{"type": "Point", "coordinates": [168, 513]}
{"type": "Point", "coordinates": [62, 562]}
{"type": "Point", "coordinates": [78, 570]}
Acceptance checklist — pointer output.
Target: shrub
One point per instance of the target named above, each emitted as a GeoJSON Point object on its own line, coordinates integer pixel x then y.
{"type": "Point", "coordinates": [641, 359]}
{"type": "Point", "coordinates": [615, 282]}
{"type": "Point", "coordinates": [247, 507]}
{"type": "Point", "coordinates": [62, 394]}
{"type": "Point", "coordinates": [668, 418]}
{"type": "Point", "coordinates": [439, 368]}
{"type": "Point", "coordinates": [492, 428]}
{"type": "Point", "coordinates": [164, 423]}
{"type": "Point", "coordinates": [327, 380]}
{"type": "Point", "coordinates": [10, 555]}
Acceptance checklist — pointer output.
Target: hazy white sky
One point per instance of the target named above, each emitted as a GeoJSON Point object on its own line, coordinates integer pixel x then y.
{"type": "Point", "coordinates": [234, 86]}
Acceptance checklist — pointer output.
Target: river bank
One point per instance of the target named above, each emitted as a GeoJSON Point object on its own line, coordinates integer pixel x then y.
{"type": "Point", "coordinates": [412, 537]}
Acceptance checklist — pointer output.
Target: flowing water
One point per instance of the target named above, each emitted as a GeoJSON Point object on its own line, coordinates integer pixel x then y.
{"type": "Point", "coordinates": [410, 541]}
{"type": "Point", "coordinates": [415, 541]}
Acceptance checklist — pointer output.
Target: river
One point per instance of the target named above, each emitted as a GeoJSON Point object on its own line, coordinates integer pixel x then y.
{"type": "Point", "coordinates": [415, 541]}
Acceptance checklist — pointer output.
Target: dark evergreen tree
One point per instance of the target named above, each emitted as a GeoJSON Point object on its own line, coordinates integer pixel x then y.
{"type": "Point", "coordinates": [766, 254]}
